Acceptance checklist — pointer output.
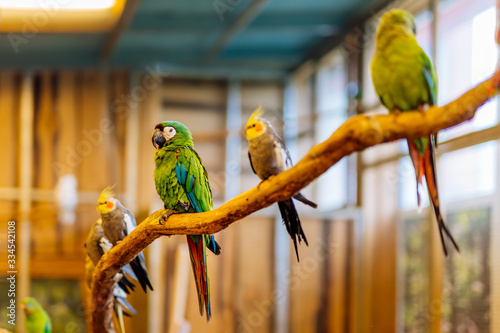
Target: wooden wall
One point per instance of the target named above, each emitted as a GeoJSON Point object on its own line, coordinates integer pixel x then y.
{"type": "Point", "coordinates": [82, 122]}
{"type": "Point", "coordinates": [70, 136]}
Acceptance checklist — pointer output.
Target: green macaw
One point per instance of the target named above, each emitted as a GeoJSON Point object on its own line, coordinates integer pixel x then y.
{"type": "Point", "coordinates": [182, 184]}
{"type": "Point", "coordinates": [36, 320]}
{"type": "Point", "coordinates": [405, 80]}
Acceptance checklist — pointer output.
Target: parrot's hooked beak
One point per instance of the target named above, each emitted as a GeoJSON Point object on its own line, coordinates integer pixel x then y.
{"type": "Point", "coordinates": [158, 139]}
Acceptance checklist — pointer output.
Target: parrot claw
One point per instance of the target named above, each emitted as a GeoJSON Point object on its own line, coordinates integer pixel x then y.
{"type": "Point", "coordinates": [165, 216]}
{"type": "Point", "coordinates": [268, 178]}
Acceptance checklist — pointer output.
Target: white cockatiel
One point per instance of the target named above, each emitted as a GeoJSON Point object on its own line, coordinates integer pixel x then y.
{"type": "Point", "coordinates": [268, 157]}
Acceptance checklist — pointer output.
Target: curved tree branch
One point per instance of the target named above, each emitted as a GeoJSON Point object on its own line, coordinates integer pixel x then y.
{"type": "Point", "coordinates": [356, 134]}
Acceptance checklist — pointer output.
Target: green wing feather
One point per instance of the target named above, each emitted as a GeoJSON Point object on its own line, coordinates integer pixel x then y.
{"type": "Point", "coordinates": [193, 177]}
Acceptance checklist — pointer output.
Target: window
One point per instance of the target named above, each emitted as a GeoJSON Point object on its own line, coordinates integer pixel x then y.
{"type": "Point", "coordinates": [467, 277]}
{"type": "Point", "coordinates": [468, 173]}
{"type": "Point", "coordinates": [332, 112]}
{"type": "Point", "coordinates": [465, 40]}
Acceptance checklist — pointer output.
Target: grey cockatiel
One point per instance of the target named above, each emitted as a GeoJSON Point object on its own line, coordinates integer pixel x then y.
{"type": "Point", "coordinates": [96, 245]}
{"type": "Point", "coordinates": [118, 222]}
{"type": "Point", "coordinates": [268, 157]}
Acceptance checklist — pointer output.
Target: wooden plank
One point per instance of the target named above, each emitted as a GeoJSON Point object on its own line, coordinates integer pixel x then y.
{"type": "Point", "coordinates": [26, 143]}
{"type": "Point", "coordinates": [119, 90]}
{"type": "Point", "coordinates": [305, 279]}
{"type": "Point", "coordinates": [268, 94]}
{"type": "Point", "coordinates": [95, 129]}
{"type": "Point", "coordinates": [132, 148]}
{"type": "Point", "coordinates": [253, 295]}
{"type": "Point", "coordinates": [44, 215]}
{"type": "Point", "coordinates": [196, 94]}
{"type": "Point", "coordinates": [380, 209]}
{"type": "Point", "coordinates": [8, 139]}
{"type": "Point", "coordinates": [338, 278]}
{"type": "Point", "coordinates": [65, 107]}
{"type": "Point", "coordinates": [180, 289]}
{"type": "Point", "coordinates": [226, 279]}
{"type": "Point", "coordinates": [57, 268]}
{"type": "Point", "coordinates": [94, 144]}
{"type": "Point", "coordinates": [156, 270]}
{"type": "Point", "coordinates": [150, 115]}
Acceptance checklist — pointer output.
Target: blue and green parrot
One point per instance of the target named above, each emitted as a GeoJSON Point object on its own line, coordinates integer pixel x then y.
{"type": "Point", "coordinates": [36, 320]}
{"type": "Point", "coordinates": [182, 184]}
{"type": "Point", "coordinates": [405, 80]}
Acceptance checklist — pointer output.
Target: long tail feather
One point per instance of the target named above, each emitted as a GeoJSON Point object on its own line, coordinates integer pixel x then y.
{"type": "Point", "coordinates": [197, 245]}
{"type": "Point", "coordinates": [213, 245]}
{"type": "Point", "coordinates": [419, 168]}
{"type": "Point", "coordinates": [119, 317]}
{"type": "Point", "coordinates": [430, 177]}
{"type": "Point", "coordinates": [292, 223]}
{"type": "Point", "coordinates": [304, 200]}
{"type": "Point", "coordinates": [125, 284]}
{"type": "Point", "coordinates": [425, 165]}
{"type": "Point", "coordinates": [140, 271]}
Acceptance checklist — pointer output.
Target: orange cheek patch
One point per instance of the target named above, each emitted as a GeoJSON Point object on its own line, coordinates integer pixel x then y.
{"type": "Point", "coordinates": [258, 128]}
{"type": "Point", "coordinates": [109, 205]}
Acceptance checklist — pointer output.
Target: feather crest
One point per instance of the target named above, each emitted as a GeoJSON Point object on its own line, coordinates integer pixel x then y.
{"type": "Point", "coordinates": [107, 193]}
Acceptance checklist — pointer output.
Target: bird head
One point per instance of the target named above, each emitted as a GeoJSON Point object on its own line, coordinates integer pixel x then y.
{"type": "Point", "coordinates": [171, 133]}
{"type": "Point", "coordinates": [29, 305]}
{"type": "Point", "coordinates": [398, 19]}
{"type": "Point", "coordinates": [255, 124]}
{"type": "Point", "coordinates": [106, 202]}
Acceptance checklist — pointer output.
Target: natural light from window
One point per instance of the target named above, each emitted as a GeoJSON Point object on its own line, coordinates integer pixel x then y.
{"type": "Point", "coordinates": [59, 4]}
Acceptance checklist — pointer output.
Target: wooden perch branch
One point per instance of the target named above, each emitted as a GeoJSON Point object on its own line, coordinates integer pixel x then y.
{"type": "Point", "coordinates": [356, 134]}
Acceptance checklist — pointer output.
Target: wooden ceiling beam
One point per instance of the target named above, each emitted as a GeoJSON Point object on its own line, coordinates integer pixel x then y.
{"type": "Point", "coordinates": [122, 25]}
{"type": "Point", "coordinates": [242, 21]}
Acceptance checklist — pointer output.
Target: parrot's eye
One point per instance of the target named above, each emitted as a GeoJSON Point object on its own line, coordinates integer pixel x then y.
{"type": "Point", "coordinates": [105, 202]}
{"type": "Point", "coordinates": [253, 125]}
{"type": "Point", "coordinates": [169, 132]}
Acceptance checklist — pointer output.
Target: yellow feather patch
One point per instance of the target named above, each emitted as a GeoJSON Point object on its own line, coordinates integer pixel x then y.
{"type": "Point", "coordinates": [106, 193]}
{"type": "Point", "coordinates": [254, 126]}
{"type": "Point", "coordinates": [257, 113]}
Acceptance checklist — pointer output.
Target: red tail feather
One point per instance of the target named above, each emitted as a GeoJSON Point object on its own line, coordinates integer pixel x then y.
{"type": "Point", "coordinates": [418, 164]}
{"type": "Point", "coordinates": [425, 164]}
{"type": "Point", "coordinates": [198, 262]}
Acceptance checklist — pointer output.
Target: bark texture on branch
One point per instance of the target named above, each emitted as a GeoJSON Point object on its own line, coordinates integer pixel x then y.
{"type": "Point", "coordinates": [356, 134]}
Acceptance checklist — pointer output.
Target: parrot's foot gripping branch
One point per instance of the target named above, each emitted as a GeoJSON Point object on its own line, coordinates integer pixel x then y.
{"type": "Point", "coordinates": [163, 219]}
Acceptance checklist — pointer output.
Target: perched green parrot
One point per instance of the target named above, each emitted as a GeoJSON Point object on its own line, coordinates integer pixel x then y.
{"type": "Point", "coordinates": [405, 80]}
{"type": "Point", "coordinates": [268, 157]}
{"type": "Point", "coordinates": [182, 184]}
{"type": "Point", "coordinates": [117, 223]}
{"type": "Point", "coordinates": [37, 320]}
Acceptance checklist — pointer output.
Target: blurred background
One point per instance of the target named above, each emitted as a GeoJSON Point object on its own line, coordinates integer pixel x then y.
{"type": "Point", "coordinates": [83, 83]}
